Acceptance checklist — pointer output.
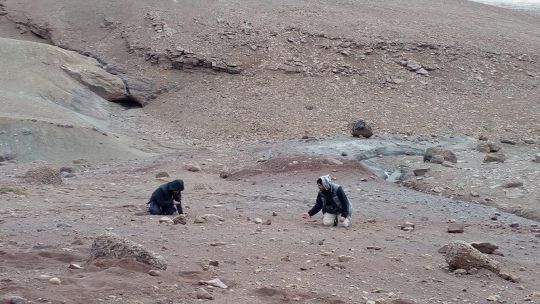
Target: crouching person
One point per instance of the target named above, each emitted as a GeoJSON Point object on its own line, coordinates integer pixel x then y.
{"type": "Point", "coordinates": [167, 199]}
{"type": "Point", "coordinates": [333, 202]}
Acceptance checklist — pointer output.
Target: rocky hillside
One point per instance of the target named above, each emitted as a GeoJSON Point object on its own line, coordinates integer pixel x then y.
{"type": "Point", "coordinates": [250, 70]}
{"type": "Point", "coordinates": [56, 105]}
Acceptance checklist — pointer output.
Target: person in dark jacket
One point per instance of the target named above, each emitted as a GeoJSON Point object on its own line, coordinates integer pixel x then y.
{"type": "Point", "coordinates": [333, 202]}
{"type": "Point", "coordinates": [167, 199]}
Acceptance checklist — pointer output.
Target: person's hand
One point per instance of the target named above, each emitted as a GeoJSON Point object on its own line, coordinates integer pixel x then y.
{"type": "Point", "coordinates": [177, 203]}
{"type": "Point", "coordinates": [306, 216]}
{"type": "Point", "coordinates": [341, 219]}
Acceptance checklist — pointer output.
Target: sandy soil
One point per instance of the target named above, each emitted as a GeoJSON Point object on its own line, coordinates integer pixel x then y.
{"type": "Point", "coordinates": [47, 228]}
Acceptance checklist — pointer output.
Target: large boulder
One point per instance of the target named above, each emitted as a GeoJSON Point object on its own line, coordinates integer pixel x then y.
{"type": "Point", "coordinates": [361, 128]}
{"type": "Point", "coordinates": [461, 255]}
{"type": "Point", "coordinates": [97, 80]}
{"type": "Point", "coordinates": [434, 153]}
{"type": "Point", "coordinates": [113, 246]}
{"type": "Point", "coordinates": [43, 175]}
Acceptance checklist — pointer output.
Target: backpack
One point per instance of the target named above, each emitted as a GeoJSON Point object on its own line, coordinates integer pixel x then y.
{"type": "Point", "coordinates": [336, 199]}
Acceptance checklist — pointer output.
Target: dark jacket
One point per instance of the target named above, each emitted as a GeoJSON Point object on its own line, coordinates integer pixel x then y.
{"type": "Point", "coordinates": [164, 196]}
{"type": "Point", "coordinates": [329, 205]}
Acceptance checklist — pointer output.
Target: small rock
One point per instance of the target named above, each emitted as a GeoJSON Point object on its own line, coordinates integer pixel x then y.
{"type": "Point", "coordinates": [203, 294]}
{"type": "Point", "coordinates": [529, 141]}
{"type": "Point", "coordinates": [487, 147]}
{"type": "Point", "coordinates": [192, 168]}
{"type": "Point", "coordinates": [456, 228]}
{"type": "Point", "coordinates": [508, 141]}
{"type": "Point", "coordinates": [17, 300]}
{"type": "Point", "coordinates": [460, 271]}
{"type": "Point", "coordinates": [213, 263]}
{"type": "Point", "coordinates": [474, 194]}
{"type": "Point", "coordinates": [333, 161]}
{"type": "Point", "coordinates": [509, 277]}
{"type": "Point", "coordinates": [447, 155]}
{"type": "Point", "coordinates": [165, 220]}
{"type": "Point", "coordinates": [67, 170]}
{"type": "Point", "coordinates": [472, 271]}
{"type": "Point", "coordinates": [267, 222]}
{"type": "Point", "coordinates": [513, 184]}
{"type": "Point", "coordinates": [536, 158]}
{"type": "Point", "coordinates": [199, 220]}
{"type": "Point", "coordinates": [344, 258]}
{"type": "Point", "coordinates": [402, 301]}
{"type": "Point", "coordinates": [448, 164]}
{"type": "Point", "coordinates": [494, 217]}
{"type": "Point", "coordinates": [274, 214]}
{"type": "Point", "coordinates": [216, 283]}
{"type": "Point", "coordinates": [162, 174]}
{"type": "Point", "coordinates": [6, 156]}
{"type": "Point", "coordinates": [181, 219]}
{"type": "Point", "coordinates": [154, 272]}
{"type": "Point", "coordinates": [373, 248]}
{"type": "Point", "coordinates": [361, 128]}
{"type": "Point", "coordinates": [494, 157]}
{"type": "Point", "coordinates": [420, 171]}
{"type": "Point", "coordinates": [224, 174]}
{"type": "Point", "coordinates": [74, 266]}
{"type": "Point", "coordinates": [407, 226]}
{"type": "Point", "coordinates": [443, 249]}
{"type": "Point", "coordinates": [494, 298]}
{"type": "Point", "coordinates": [514, 225]}
{"type": "Point", "coordinates": [205, 218]}
{"type": "Point", "coordinates": [482, 137]}
{"type": "Point", "coordinates": [437, 159]}
{"type": "Point", "coordinates": [26, 131]}
{"type": "Point", "coordinates": [257, 220]}
{"type": "Point", "coordinates": [215, 244]}
{"type": "Point", "coordinates": [413, 66]}
{"type": "Point", "coordinates": [55, 281]}
{"type": "Point", "coordinates": [422, 72]}
{"type": "Point", "coordinates": [497, 252]}
{"type": "Point", "coordinates": [485, 247]}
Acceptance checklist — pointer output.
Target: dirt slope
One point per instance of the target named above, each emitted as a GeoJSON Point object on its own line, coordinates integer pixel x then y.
{"type": "Point", "coordinates": [311, 64]}
{"type": "Point", "coordinates": [53, 105]}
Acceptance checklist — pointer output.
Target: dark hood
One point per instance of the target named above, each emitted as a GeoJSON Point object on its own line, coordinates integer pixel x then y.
{"type": "Point", "coordinates": [176, 185]}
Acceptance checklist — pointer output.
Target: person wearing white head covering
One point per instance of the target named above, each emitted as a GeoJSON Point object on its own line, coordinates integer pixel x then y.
{"type": "Point", "coordinates": [333, 202]}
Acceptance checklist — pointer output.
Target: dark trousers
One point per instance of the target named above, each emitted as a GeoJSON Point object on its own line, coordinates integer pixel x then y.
{"type": "Point", "coordinates": [156, 209]}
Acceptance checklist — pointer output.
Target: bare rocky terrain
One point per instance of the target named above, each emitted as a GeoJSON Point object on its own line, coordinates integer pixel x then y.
{"type": "Point", "coordinates": [248, 103]}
